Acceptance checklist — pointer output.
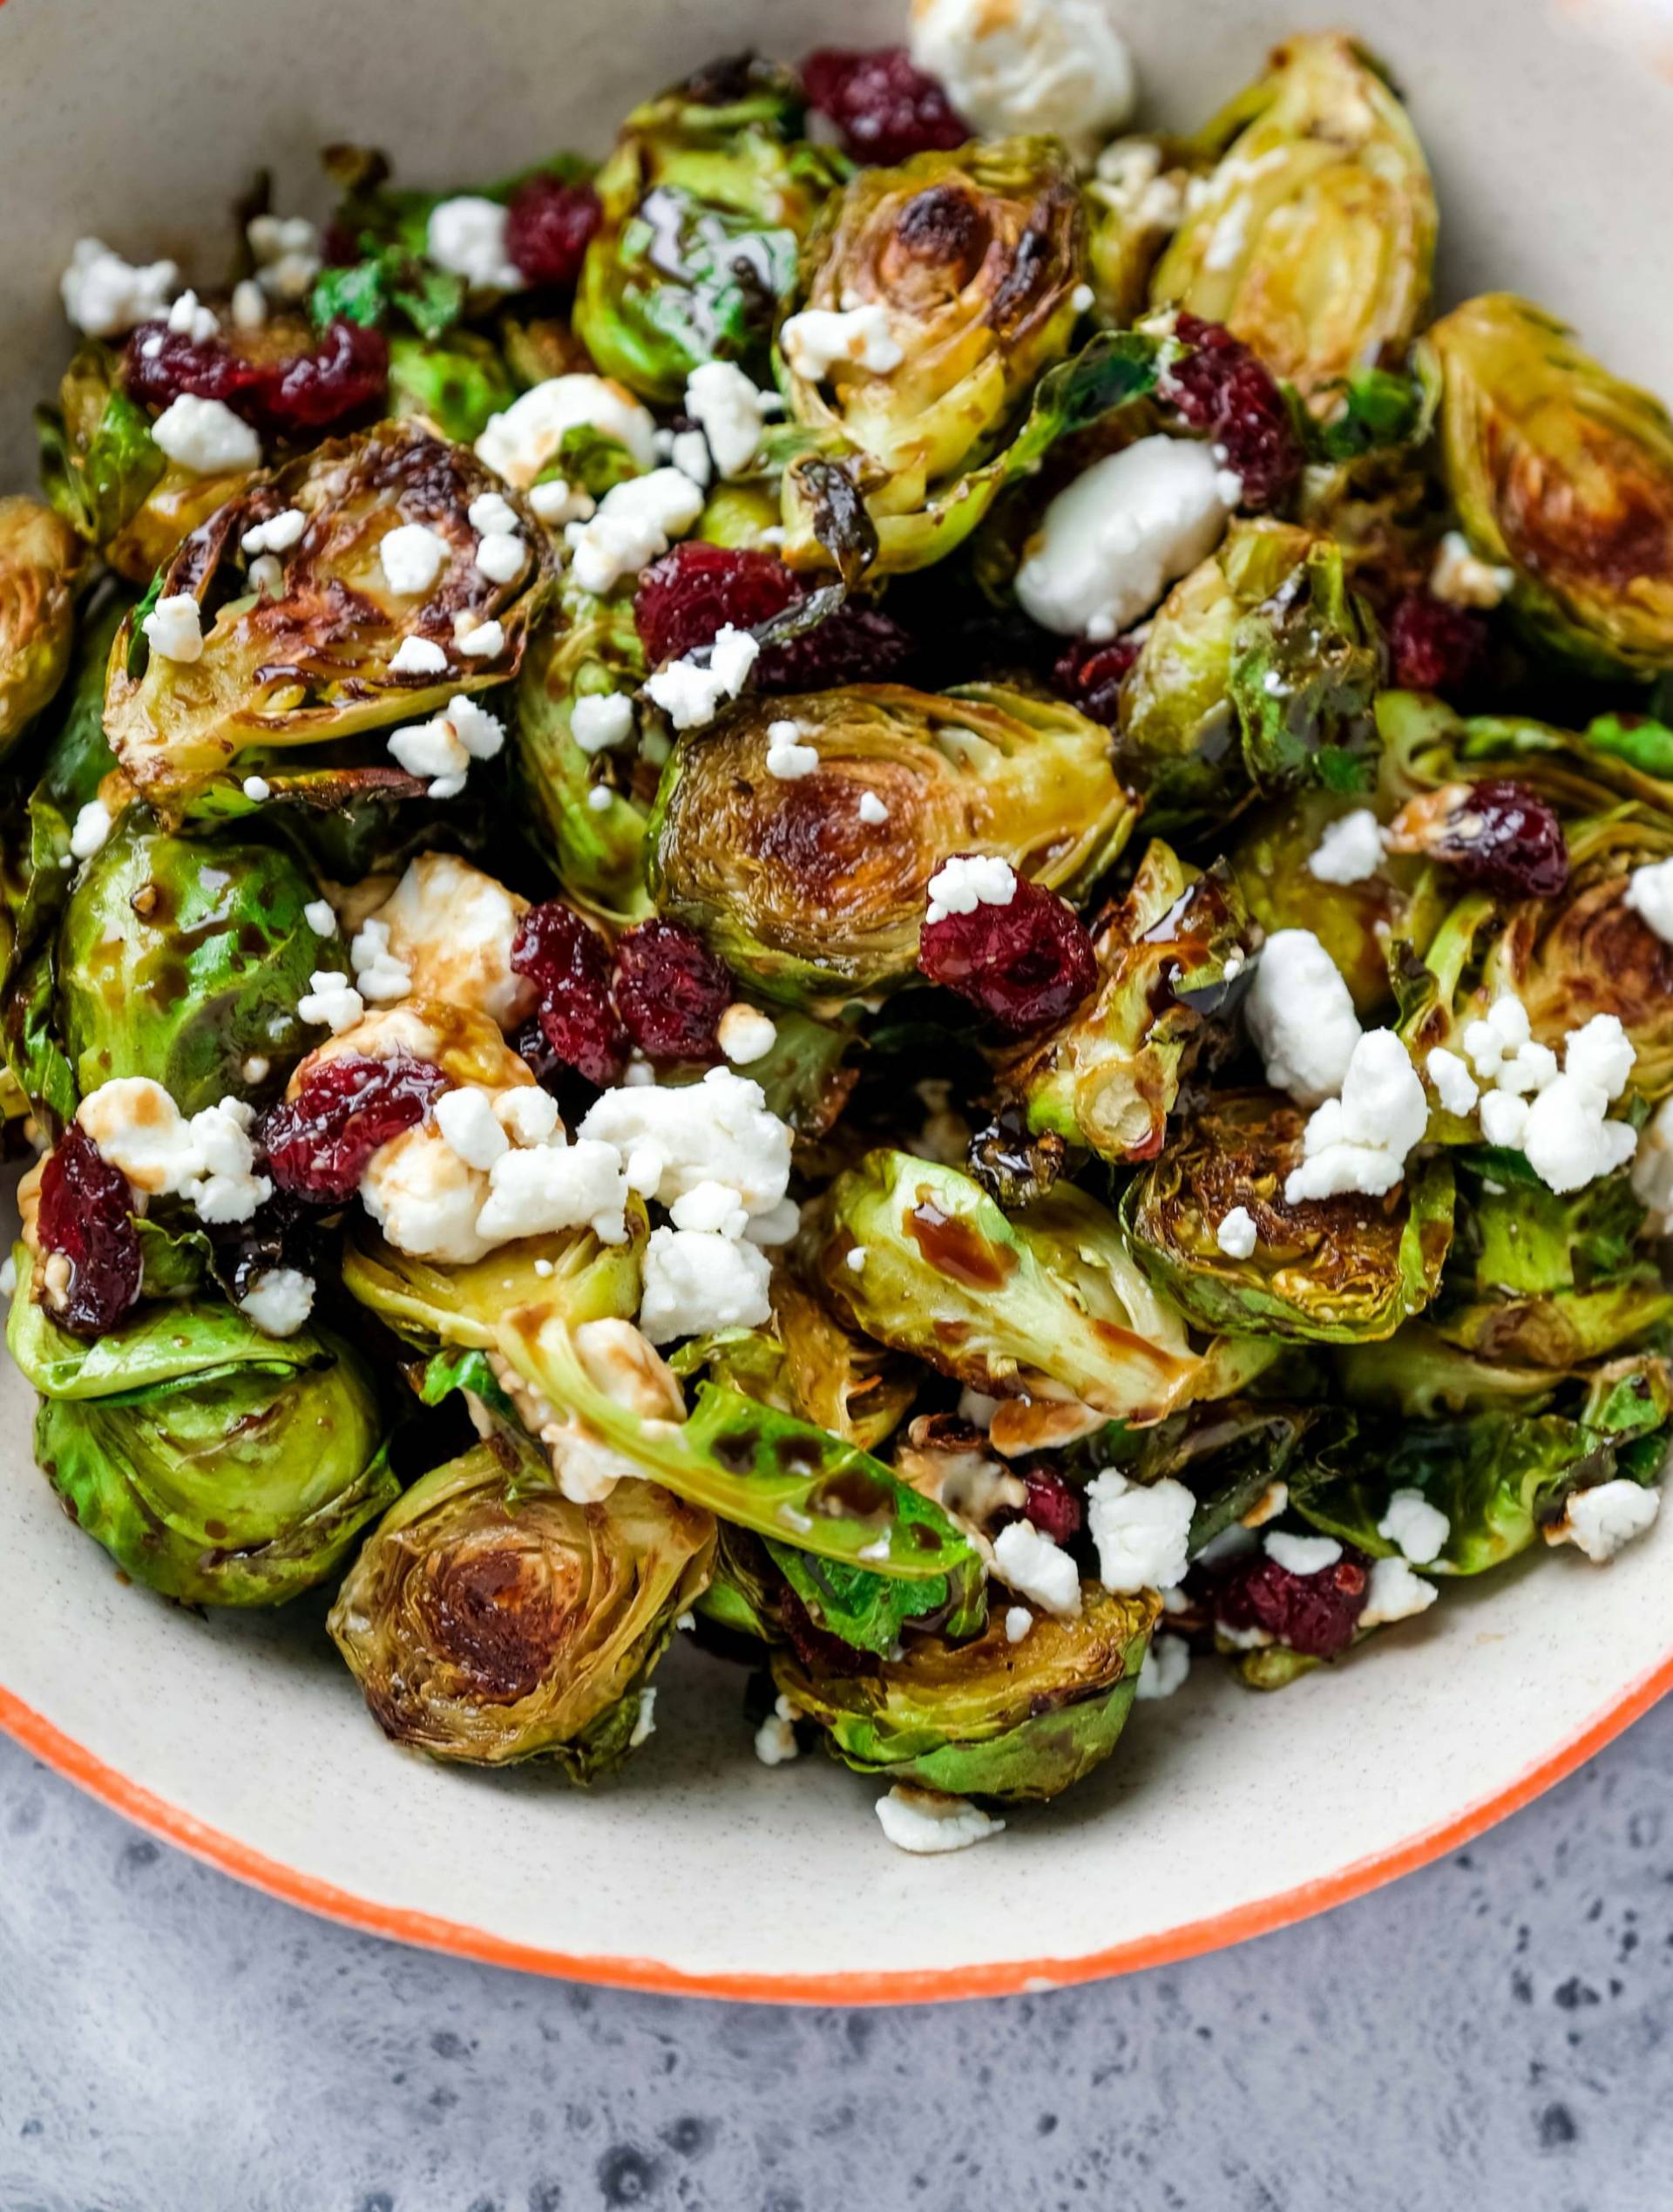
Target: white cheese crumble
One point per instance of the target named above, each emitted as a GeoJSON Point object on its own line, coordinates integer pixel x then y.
{"type": "Point", "coordinates": [419, 657]}
{"type": "Point", "coordinates": [1417, 1529]}
{"type": "Point", "coordinates": [746, 1034]}
{"type": "Point", "coordinates": [520, 442]}
{"type": "Point", "coordinates": [93, 825]}
{"type": "Point", "coordinates": [1030, 65]}
{"type": "Point", "coordinates": [1141, 1530]}
{"type": "Point", "coordinates": [381, 976]}
{"type": "Point", "coordinates": [730, 411]}
{"type": "Point", "coordinates": [480, 640]}
{"type": "Point", "coordinates": [466, 237]}
{"type": "Point", "coordinates": [965, 882]}
{"type": "Point", "coordinates": [276, 535]}
{"type": "Point", "coordinates": [775, 1738]}
{"type": "Point", "coordinates": [279, 1300]}
{"type": "Point", "coordinates": [208, 1161]}
{"type": "Point", "coordinates": [633, 525]}
{"type": "Point", "coordinates": [696, 1280]}
{"type": "Point", "coordinates": [257, 788]}
{"type": "Point", "coordinates": [690, 695]}
{"type": "Point", "coordinates": [491, 514]}
{"type": "Point", "coordinates": [175, 628]}
{"type": "Point", "coordinates": [332, 999]}
{"type": "Point", "coordinates": [189, 318]}
{"type": "Point", "coordinates": [1567, 1140]}
{"type": "Point", "coordinates": [1035, 1566]}
{"type": "Point", "coordinates": [320, 917]}
{"type": "Point", "coordinates": [1110, 543]}
{"type": "Point", "coordinates": [1455, 1085]}
{"type": "Point", "coordinates": [1650, 894]}
{"type": "Point", "coordinates": [1018, 1622]}
{"type": "Point", "coordinates": [1463, 580]}
{"type": "Point", "coordinates": [1167, 1663]}
{"type": "Point", "coordinates": [286, 249]}
{"type": "Point", "coordinates": [533, 1192]}
{"type": "Point", "coordinates": [249, 305]}
{"type": "Point", "coordinates": [872, 810]}
{"type": "Point", "coordinates": [1393, 1592]}
{"type": "Point", "coordinates": [1359, 1141]}
{"type": "Point", "coordinates": [413, 556]}
{"type": "Point", "coordinates": [601, 719]}
{"type": "Point", "coordinates": [8, 1277]}
{"type": "Point", "coordinates": [688, 451]}
{"type": "Point", "coordinates": [1300, 1015]}
{"type": "Point", "coordinates": [1236, 1235]}
{"type": "Point", "coordinates": [718, 1130]}
{"type": "Point", "coordinates": [1350, 850]}
{"type": "Point", "coordinates": [1601, 1521]}
{"type": "Point", "coordinates": [268, 576]}
{"type": "Point", "coordinates": [787, 758]}
{"type": "Point", "coordinates": [528, 1116]}
{"type": "Point", "coordinates": [444, 747]}
{"type": "Point", "coordinates": [105, 296]}
{"type": "Point", "coordinates": [556, 503]}
{"type": "Point", "coordinates": [821, 339]}
{"type": "Point", "coordinates": [712, 1208]}
{"type": "Point", "coordinates": [501, 556]}
{"type": "Point", "coordinates": [1301, 1555]}
{"type": "Point", "coordinates": [206, 436]}
{"type": "Point", "coordinates": [922, 1821]}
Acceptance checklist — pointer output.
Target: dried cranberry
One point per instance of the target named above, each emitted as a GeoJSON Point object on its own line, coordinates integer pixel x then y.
{"type": "Point", "coordinates": [685, 599]}
{"type": "Point", "coordinates": [1228, 393]}
{"type": "Point", "coordinates": [318, 1143]}
{"type": "Point", "coordinates": [346, 373]}
{"type": "Point", "coordinates": [1090, 676]}
{"type": "Point", "coordinates": [569, 966]}
{"type": "Point", "coordinates": [1052, 1504]}
{"type": "Point", "coordinates": [1314, 1614]}
{"type": "Point", "coordinates": [671, 991]}
{"type": "Point", "coordinates": [86, 1218]}
{"type": "Point", "coordinates": [1501, 836]}
{"type": "Point", "coordinates": [885, 107]}
{"type": "Point", "coordinates": [1025, 964]}
{"type": "Point", "coordinates": [1435, 647]}
{"type": "Point", "coordinates": [548, 225]}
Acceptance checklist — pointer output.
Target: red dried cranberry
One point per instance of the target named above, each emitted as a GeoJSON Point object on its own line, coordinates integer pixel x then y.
{"type": "Point", "coordinates": [570, 968]}
{"type": "Point", "coordinates": [1228, 393]}
{"type": "Point", "coordinates": [548, 225]}
{"type": "Point", "coordinates": [1090, 676]}
{"type": "Point", "coordinates": [86, 1218]}
{"type": "Point", "coordinates": [1025, 964]}
{"type": "Point", "coordinates": [1505, 838]}
{"type": "Point", "coordinates": [688, 596]}
{"type": "Point", "coordinates": [346, 372]}
{"type": "Point", "coordinates": [1434, 647]}
{"type": "Point", "coordinates": [318, 1143]}
{"type": "Point", "coordinates": [1052, 1504]}
{"type": "Point", "coordinates": [1314, 1614]}
{"type": "Point", "coordinates": [885, 107]}
{"type": "Point", "coordinates": [671, 991]}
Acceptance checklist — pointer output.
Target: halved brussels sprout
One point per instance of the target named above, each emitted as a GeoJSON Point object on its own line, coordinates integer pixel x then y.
{"type": "Point", "coordinates": [1355, 922]}
{"type": "Point", "coordinates": [1135, 198]}
{"type": "Point", "coordinates": [842, 1380]}
{"type": "Point", "coordinates": [313, 663]}
{"type": "Point", "coordinates": [1620, 758]}
{"type": "Point", "coordinates": [489, 1619]}
{"type": "Point", "coordinates": [567, 1271]}
{"type": "Point", "coordinates": [1314, 238]}
{"type": "Point", "coordinates": [795, 890]}
{"type": "Point", "coordinates": [456, 382]}
{"type": "Point", "coordinates": [1565, 474]}
{"type": "Point", "coordinates": [183, 959]}
{"type": "Point", "coordinates": [988, 1718]}
{"type": "Point", "coordinates": [1417, 1374]}
{"type": "Point", "coordinates": [1050, 1306]}
{"type": "Point", "coordinates": [38, 559]}
{"type": "Point", "coordinates": [972, 257]}
{"type": "Point", "coordinates": [1329, 1271]}
{"type": "Point", "coordinates": [706, 197]}
{"type": "Point", "coordinates": [1168, 954]}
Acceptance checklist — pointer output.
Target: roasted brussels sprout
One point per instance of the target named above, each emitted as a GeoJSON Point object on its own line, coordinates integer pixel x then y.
{"type": "Point", "coordinates": [841, 1380]}
{"type": "Point", "coordinates": [987, 1718]}
{"type": "Point", "coordinates": [38, 558]}
{"type": "Point", "coordinates": [314, 662]}
{"type": "Point", "coordinates": [1169, 953]}
{"type": "Point", "coordinates": [787, 882]}
{"type": "Point", "coordinates": [1355, 922]}
{"type": "Point", "coordinates": [1050, 1308]}
{"type": "Point", "coordinates": [183, 957]}
{"type": "Point", "coordinates": [1134, 199]}
{"type": "Point", "coordinates": [967, 262]}
{"type": "Point", "coordinates": [567, 1271]}
{"type": "Point", "coordinates": [100, 464]}
{"type": "Point", "coordinates": [489, 1619]}
{"type": "Point", "coordinates": [1314, 237]}
{"type": "Point", "coordinates": [1326, 1271]}
{"type": "Point", "coordinates": [1564, 474]}
{"type": "Point", "coordinates": [706, 197]}
{"type": "Point", "coordinates": [457, 382]}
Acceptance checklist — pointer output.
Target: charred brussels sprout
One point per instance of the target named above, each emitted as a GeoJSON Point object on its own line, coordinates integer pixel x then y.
{"type": "Point", "coordinates": [564, 1271]}
{"type": "Point", "coordinates": [969, 260]}
{"type": "Point", "coordinates": [1314, 237]}
{"type": "Point", "coordinates": [789, 884]}
{"type": "Point", "coordinates": [313, 661]}
{"type": "Point", "coordinates": [38, 558]}
{"type": "Point", "coordinates": [988, 1718]}
{"type": "Point", "coordinates": [1325, 1270]}
{"type": "Point", "coordinates": [1169, 954]}
{"type": "Point", "coordinates": [1565, 474]}
{"type": "Point", "coordinates": [706, 197]}
{"type": "Point", "coordinates": [183, 959]}
{"type": "Point", "coordinates": [488, 1619]}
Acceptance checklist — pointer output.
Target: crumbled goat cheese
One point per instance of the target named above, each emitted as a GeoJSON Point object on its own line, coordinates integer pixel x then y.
{"type": "Point", "coordinates": [1140, 1530]}
{"type": "Point", "coordinates": [730, 412]}
{"type": "Point", "coordinates": [787, 758]}
{"type": "Point", "coordinates": [94, 824]}
{"type": "Point", "coordinates": [331, 998]}
{"type": "Point", "coordinates": [257, 788]}
{"type": "Point", "coordinates": [249, 305]}
{"type": "Point", "coordinates": [746, 1034]}
{"type": "Point", "coordinates": [1271, 1501]}
{"type": "Point", "coordinates": [718, 1130]}
{"type": "Point", "coordinates": [1504, 1120]}
{"type": "Point", "coordinates": [819, 340]}
{"type": "Point", "coordinates": [777, 1225]}
{"type": "Point", "coordinates": [480, 640]}
{"type": "Point", "coordinates": [634, 524]}
{"type": "Point", "coordinates": [1650, 894]}
{"type": "Point", "coordinates": [1235, 1235]}
{"type": "Point", "coordinates": [189, 318]}
{"type": "Point", "coordinates": [1393, 1592]}
{"type": "Point", "coordinates": [268, 576]}
{"type": "Point", "coordinates": [528, 1115]}
{"type": "Point", "coordinates": [688, 451]}
{"type": "Point", "coordinates": [381, 976]}
{"type": "Point", "coordinates": [1129, 180]}
{"type": "Point", "coordinates": [419, 657]}
{"type": "Point", "coordinates": [277, 535]}
{"type": "Point", "coordinates": [644, 1719]}
{"type": "Point", "coordinates": [599, 798]}
{"type": "Point", "coordinates": [601, 719]}
{"type": "Point", "coordinates": [1455, 1085]}
{"type": "Point", "coordinates": [1035, 1567]}
{"type": "Point", "coordinates": [320, 917]}
{"type": "Point", "coordinates": [286, 250]}
{"type": "Point", "coordinates": [977, 1407]}
{"type": "Point", "coordinates": [105, 296]}
{"type": "Point", "coordinates": [279, 1300]}
{"type": "Point", "coordinates": [501, 556]}
{"type": "Point", "coordinates": [1462, 581]}
{"type": "Point", "coordinates": [206, 436]}
{"type": "Point", "coordinates": [175, 628]}
{"type": "Point", "coordinates": [413, 556]}
{"type": "Point", "coordinates": [1031, 65]}
{"type": "Point", "coordinates": [557, 503]}
{"type": "Point", "coordinates": [1600, 1054]}
{"type": "Point", "coordinates": [519, 443]}
{"type": "Point", "coordinates": [1602, 1520]}
{"type": "Point", "coordinates": [1350, 850]}
{"type": "Point", "coordinates": [556, 1186]}
{"type": "Point", "coordinates": [1301, 1555]}
{"type": "Point", "coordinates": [961, 884]}
{"type": "Point", "coordinates": [491, 515]}
{"type": "Point", "coordinates": [208, 1161]}
{"type": "Point", "coordinates": [466, 237]}
{"type": "Point", "coordinates": [712, 1208]}
{"type": "Point", "coordinates": [1568, 1142]}
{"type": "Point", "coordinates": [1018, 1622]}
{"type": "Point", "coordinates": [1416, 1528]}
{"type": "Point", "coordinates": [1360, 1141]}
{"type": "Point", "coordinates": [1167, 1663]}
{"type": "Point", "coordinates": [431, 749]}
{"type": "Point", "coordinates": [425, 1199]}
{"type": "Point", "coordinates": [775, 1738]}
{"type": "Point", "coordinates": [1300, 1015]}
{"type": "Point", "coordinates": [923, 1822]}
{"type": "Point", "coordinates": [691, 697]}
{"type": "Point", "coordinates": [8, 1277]}
{"type": "Point", "coordinates": [696, 1280]}
{"type": "Point", "coordinates": [1110, 543]}
{"type": "Point", "coordinates": [872, 810]}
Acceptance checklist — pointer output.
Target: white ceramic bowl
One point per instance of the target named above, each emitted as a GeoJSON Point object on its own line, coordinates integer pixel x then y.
{"type": "Point", "coordinates": [1223, 1814]}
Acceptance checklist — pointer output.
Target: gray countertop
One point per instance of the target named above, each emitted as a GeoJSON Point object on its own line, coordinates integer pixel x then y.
{"type": "Point", "coordinates": [1495, 2031]}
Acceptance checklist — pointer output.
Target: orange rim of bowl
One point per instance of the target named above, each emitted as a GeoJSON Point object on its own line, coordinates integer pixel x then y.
{"type": "Point", "coordinates": [1002, 1979]}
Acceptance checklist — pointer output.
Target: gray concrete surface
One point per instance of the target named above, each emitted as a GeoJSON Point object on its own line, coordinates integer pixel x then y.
{"type": "Point", "coordinates": [1493, 2033]}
